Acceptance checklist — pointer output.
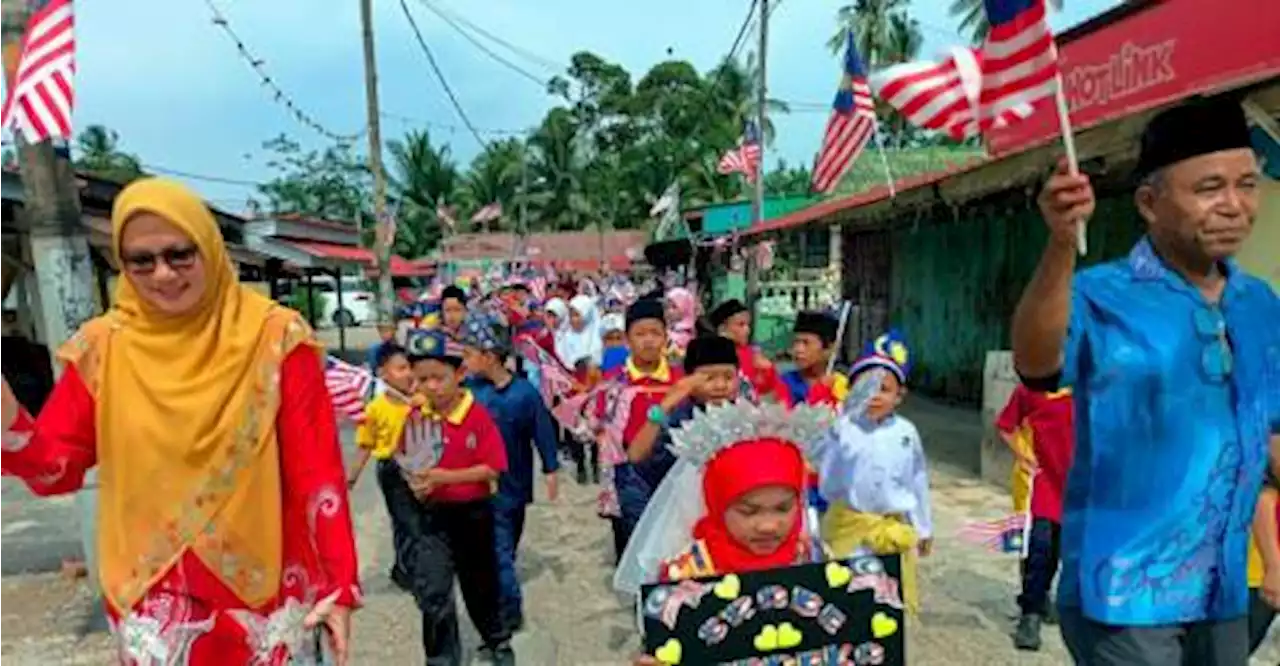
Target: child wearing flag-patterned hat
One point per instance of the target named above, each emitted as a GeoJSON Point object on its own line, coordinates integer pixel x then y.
{"type": "Point", "coordinates": [874, 473]}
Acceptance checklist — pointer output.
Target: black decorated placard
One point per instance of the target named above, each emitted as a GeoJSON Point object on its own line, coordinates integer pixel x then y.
{"type": "Point", "coordinates": [847, 612]}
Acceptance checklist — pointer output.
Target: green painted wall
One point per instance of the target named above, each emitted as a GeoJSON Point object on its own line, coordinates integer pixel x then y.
{"type": "Point", "coordinates": [954, 285]}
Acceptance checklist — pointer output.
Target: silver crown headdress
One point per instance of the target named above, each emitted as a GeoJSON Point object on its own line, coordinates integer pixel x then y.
{"type": "Point", "coordinates": [720, 426]}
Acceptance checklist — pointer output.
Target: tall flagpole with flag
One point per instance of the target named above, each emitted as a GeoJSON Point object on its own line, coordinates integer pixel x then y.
{"type": "Point", "coordinates": [757, 201]}
{"type": "Point", "coordinates": [850, 127]}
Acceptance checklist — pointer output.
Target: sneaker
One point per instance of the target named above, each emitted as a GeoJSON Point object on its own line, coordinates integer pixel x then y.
{"type": "Point", "coordinates": [499, 655]}
{"type": "Point", "coordinates": [401, 579]}
{"type": "Point", "coordinates": [1027, 636]}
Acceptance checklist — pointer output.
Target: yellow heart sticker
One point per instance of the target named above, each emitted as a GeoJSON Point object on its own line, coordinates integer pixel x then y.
{"type": "Point", "coordinates": [788, 636]}
{"type": "Point", "coordinates": [728, 588]}
{"type": "Point", "coordinates": [838, 575]}
{"type": "Point", "coordinates": [670, 652]}
{"type": "Point", "coordinates": [882, 625]}
{"type": "Point", "coordinates": [767, 639]}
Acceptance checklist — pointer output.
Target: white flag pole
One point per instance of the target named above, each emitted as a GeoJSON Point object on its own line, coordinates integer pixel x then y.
{"type": "Point", "coordinates": [1073, 163]}
{"type": "Point", "coordinates": [884, 161]}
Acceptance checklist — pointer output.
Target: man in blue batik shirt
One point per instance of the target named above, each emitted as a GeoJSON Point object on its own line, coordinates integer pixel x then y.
{"type": "Point", "coordinates": [1174, 355]}
{"type": "Point", "coordinates": [522, 417]}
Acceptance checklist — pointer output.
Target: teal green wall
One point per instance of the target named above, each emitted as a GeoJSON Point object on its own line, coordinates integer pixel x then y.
{"type": "Point", "coordinates": [726, 217]}
{"type": "Point", "coordinates": [955, 283]}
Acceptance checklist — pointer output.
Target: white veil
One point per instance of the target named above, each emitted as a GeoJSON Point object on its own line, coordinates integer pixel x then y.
{"type": "Point", "coordinates": [664, 527]}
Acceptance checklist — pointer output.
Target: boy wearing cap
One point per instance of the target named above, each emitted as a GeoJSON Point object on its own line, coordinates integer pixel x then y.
{"type": "Point", "coordinates": [732, 320]}
{"type": "Point", "coordinates": [645, 377]}
{"type": "Point", "coordinates": [812, 344]}
{"type": "Point", "coordinates": [464, 457]}
{"type": "Point", "coordinates": [526, 426]}
{"type": "Point", "coordinates": [875, 473]}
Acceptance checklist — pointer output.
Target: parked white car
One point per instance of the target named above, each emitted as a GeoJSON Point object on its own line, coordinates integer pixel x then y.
{"type": "Point", "coordinates": [358, 302]}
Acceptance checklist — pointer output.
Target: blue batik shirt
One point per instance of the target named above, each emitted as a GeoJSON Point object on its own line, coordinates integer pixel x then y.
{"type": "Point", "coordinates": [525, 423]}
{"type": "Point", "coordinates": [1175, 399]}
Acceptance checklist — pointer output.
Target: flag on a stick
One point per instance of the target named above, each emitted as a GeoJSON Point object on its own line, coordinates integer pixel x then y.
{"type": "Point", "coordinates": [487, 213]}
{"type": "Point", "coordinates": [1002, 535]}
{"type": "Point", "coordinates": [1019, 59]}
{"type": "Point", "coordinates": [349, 387]}
{"type": "Point", "coordinates": [42, 95]}
{"type": "Point", "coordinates": [745, 159]}
{"type": "Point", "coordinates": [446, 216]}
{"type": "Point", "coordinates": [941, 96]}
{"type": "Point", "coordinates": [850, 127]}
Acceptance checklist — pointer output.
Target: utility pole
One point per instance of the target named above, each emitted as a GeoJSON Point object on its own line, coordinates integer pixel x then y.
{"type": "Point", "coordinates": [384, 226]}
{"type": "Point", "coordinates": [757, 201]}
{"type": "Point", "coordinates": [56, 243]}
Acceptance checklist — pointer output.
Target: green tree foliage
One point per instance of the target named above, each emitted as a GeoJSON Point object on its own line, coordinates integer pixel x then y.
{"type": "Point", "coordinates": [98, 153]}
{"type": "Point", "coordinates": [329, 184]}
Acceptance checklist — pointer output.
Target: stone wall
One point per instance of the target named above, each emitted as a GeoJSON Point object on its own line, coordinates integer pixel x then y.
{"type": "Point", "coordinates": [998, 381]}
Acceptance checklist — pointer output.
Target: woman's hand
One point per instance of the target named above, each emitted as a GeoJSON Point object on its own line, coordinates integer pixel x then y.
{"type": "Point", "coordinates": [646, 660]}
{"type": "Point", "coordinates": [337, 624]}
{"type": "Point", "coordinates": [8, 406]}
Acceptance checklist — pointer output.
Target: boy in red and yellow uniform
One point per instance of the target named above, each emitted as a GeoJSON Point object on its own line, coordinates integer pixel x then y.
{"type": "Point", "coordinates": [1048, 417]}
{"type": "Point", "coordinates": [732, 319]}
{"type": "Point", "coordinates": [647, 371]}
{"type": "Point", "coordinates": [453, 461]}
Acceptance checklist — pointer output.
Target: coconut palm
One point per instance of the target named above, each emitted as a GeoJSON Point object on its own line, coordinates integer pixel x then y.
{"type": "Point", "coordinates": [883, 31]}
{"type": "Point", "coordinates": [973, 17]}
{"type": "Point", "coordinates": [422, 178]}
{"type": "Point", "coordinates": [100, 155]}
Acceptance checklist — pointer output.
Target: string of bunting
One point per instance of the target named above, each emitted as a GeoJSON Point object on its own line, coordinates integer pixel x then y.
{"type": "Point", "coordinates": [280, 96]}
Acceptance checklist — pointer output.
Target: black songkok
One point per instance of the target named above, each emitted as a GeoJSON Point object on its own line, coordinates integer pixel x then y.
{"type": "Point", "coordinates": [1191, 130]}
{"type": "Point", "coordinates": [646, 308]}
{"type": "Point", "coordinates": [725, 310]}
{"type": "Point", "coordinates": [820, 324]}
{"type": "Point", "coordinates": [710, 350]}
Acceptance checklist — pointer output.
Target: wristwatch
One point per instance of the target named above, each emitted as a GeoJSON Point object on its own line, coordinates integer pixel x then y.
{"type": "Point", "coordinates": [656, 415]}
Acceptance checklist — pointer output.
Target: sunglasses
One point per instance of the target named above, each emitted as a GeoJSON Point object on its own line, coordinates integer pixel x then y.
{"type": "Point", "coordinates": [1216, 358]}
{"type": "Point", "coordinates": [176, 258]}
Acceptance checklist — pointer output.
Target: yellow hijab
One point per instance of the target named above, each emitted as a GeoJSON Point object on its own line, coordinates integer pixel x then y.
{"type": "Point", "coordinates": [186, 418]}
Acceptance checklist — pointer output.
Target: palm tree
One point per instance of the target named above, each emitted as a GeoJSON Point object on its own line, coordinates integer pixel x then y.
{"type": "Point", "coordinates": [495, 175]}
{"type": "Point", "coordinates": [732, 90]}
{"type": "Point", "coordinates": [973, 17]}
{"type": "Point", "coordinates": [557, 165]}
{"type": "Point", "coordinates": [422, 178]}
{"type": "Point", "coordinates": [883, 31]}
{"type": "Point", "coordinates": [100, 155]}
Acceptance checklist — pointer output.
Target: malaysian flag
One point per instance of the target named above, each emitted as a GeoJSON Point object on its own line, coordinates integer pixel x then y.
{"type": "Point", "coordinates": [446, 216]}
{"type": "Point", "coordinates": [42, 96]}
{"type": "Point", "coordinates": [745, 159]}
{"type": "Point", "coordinates": [850, 127]}
{"type": "Point", "coordinates": [348, 386]}
{"type": "Point", "coordinates": [941, 96]}
{"type": "Point", "coordinates": [1019, 59]}
{"type": "Point", "coordinates": [487, 213]}
{"type": "Point", "coordinates": [1002, 535]}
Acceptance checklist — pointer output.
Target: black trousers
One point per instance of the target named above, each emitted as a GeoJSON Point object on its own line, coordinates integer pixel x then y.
{"type": "Point", "coordinates": [388, 475]}
{"type": "Point", "coordinates": [583, 453]}
{"type": "Point", "coordinates": [442, 541]}
{"type": "Point", "coordinates": [1040, 566]}
{"type": "Point", "coordinates": [1215, 643]}
{"type": "Point", "coordinates": [1261, 614]}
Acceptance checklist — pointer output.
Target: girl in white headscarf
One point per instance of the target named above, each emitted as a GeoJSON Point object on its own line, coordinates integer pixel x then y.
{"type": "Point", "coordinates": [581, 340]}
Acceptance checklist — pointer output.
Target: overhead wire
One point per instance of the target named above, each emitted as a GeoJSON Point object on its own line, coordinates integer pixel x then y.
{"type": "Point", "coordinates": [540, 81]}
{"type": "Point", "coordinates": [527, 54]}
{"type": "Point", "coordinates": [281, 97]}
{"type": "Point", "coordinates": [435, 67]}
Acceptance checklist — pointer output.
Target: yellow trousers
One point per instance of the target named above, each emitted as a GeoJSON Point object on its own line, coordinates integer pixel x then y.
{"type": "Point", "coordinates": [846, 531]}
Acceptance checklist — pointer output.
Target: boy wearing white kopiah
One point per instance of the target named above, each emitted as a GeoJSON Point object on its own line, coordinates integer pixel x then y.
{"type": "Point", "coordinates": [873, 469]}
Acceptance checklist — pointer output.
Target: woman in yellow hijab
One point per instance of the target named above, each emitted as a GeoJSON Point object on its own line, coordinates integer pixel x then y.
{"type": "Point", "coordinates": [224, 535]}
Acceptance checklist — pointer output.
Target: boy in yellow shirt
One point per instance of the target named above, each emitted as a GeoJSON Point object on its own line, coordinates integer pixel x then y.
{"type": "Point", "coordinates": [378, 436]}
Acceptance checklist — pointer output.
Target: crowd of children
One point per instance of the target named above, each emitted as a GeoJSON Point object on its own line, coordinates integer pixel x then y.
{"type": "Point", "coordinates": [462, 413]}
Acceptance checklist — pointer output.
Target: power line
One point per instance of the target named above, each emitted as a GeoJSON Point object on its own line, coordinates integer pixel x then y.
{"type": "Point", "coordinates": [280, 96]}
{"type": "Point", "coordinates": [541, 82]}
{"type": "Point", "coordinates": [431, 59]}
{"type": "Point", "coordinates": [165, 171]}
{"type": "Point", "coordinates": [527, 54]}
{"type": "Point", "coordinates": [742, 31]}
{"type": "Point", "coordinates": [492, 131]}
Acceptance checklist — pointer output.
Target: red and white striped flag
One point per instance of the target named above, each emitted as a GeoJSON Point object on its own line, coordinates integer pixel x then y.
{"type": "Point", "coordinates": [745, 159]}
{"type": "Point", "coordinates": [941, 96]}
{"type": "Point", "coordinates": [850, 127]}
{"type": "Point", "coordinates": [1019, 59]}
{"type": "Point", "coordinates": [42, 95]}
{"type": "Point", "coordinates": [348, 386]}
{"type": "Point", "coordinates": [487, 213]}
{"type": "Point", "coordinates": [446, 215]}
{"type": "Point", "coordinates": [1002, 535]}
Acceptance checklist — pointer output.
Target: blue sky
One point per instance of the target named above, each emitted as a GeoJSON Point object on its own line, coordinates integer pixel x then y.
{"type": "Point", "coordinates": [171, 83]}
